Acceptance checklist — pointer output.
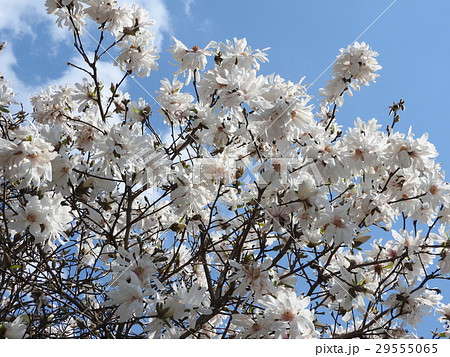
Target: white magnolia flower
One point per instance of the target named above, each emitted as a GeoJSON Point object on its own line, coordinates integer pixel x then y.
{"type": "Point", "coordinates": [408, 305]}
{"type": "Point", "coordinates": [444, 310]}
{"type": "Point", "coordinates": [186, 304]}
{"type": "Point", "coordinates": [139, 112]}
{"type": "Point", "coordinates": [256, 326]}
{"type": "Point", "coordinates": [124, 146]}
{"type": "Point", "coordinates": [176, 106]}
{"type": "Point", "coordinates": [85, 94]}
{"type": "Point", "coordinates": [254, 275]}
{"type": "Point", "coordinates": [28, 161]}
{"type": "Point", "coordinates": [45, 218]}
{"type": "Point", "coordinates": [287, 310]}
{"type": "Point", "coordinates": [442, 239]}
{"type": "Point", "coordinates": [355, 66]}
{"type": "Point", "coordinates": [73, 19]}
{"type": "Point", "coordinates": [409, 152]}
{"type": "Point", "coordinates": [134, 264]}
{"type": "Point", "coordinates": [139, 55]}
{"type": "Point", "coordinates": [137, 22]}
{"type": "Point", "coordinates": [364, 145]}
{"type": "Point", "coordinates": [53, 105]}
{"type": "Point", "coordinates": [15, 329]}
{"type": "Point", "coordinates": [350, 287]}
{"type": "Point", "coordinates": [238, 53]}
{"type": "Point", "coordinates": [54, 5]}
{"type": "Point", "coordinates": [129, 296]}
{"type": "Point", "coordinates": [101, 11]}
{"type": "Point", "coordinates": [408, 242]}
{"type": "Point", "coordinates": [339, 227]}
{"type": "Point", "coordinates": [190, 60]}
{"type": "Point", "coordinates": [6, 93]}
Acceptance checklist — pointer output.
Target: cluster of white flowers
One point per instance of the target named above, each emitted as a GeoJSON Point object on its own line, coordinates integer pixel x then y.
{"type": "Point", "coordinates": [27, 159]}
{"type": "Point", "coordinates": [129, 24]}
{"type": "Point", "coordinates": [355, 66]}
{"type": "Point", "coordinates": [250, 221]}
{"type": "Point", "coordinates": [285, 314]}
{"type": "Point", "coordinates": [6, 93]}
{"type": "Point", "coordinates": [13, 330]}
{"type": "Point", "coordinates": [45, 218]}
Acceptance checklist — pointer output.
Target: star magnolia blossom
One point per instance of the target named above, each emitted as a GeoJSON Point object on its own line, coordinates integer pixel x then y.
{"type": "Point", "coordinates": [355, 66]}
{"type": "Point", "coordinates": [28, 160]}
{"type": "Point", "coordinates": [287, 309]}
{"type": "Point", "coordinates": [16, 329]}
{"type": "Point", "coordinates": [46, 219]}
{"type": "Point", "coordinates": [253, 214]}
{"type": "Point", "coordinates": [191, 60]}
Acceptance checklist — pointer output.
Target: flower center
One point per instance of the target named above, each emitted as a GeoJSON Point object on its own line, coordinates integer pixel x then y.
{"type": "Point", "coordinates": [434, 189]}
{"type": "Point", "coordinates": [31, 217]}
{"type": "Point", "coordinates": [358, 153]}
{"type": "Point", "coordinates": [254, 273]}
{"type": "Point", "coordinates": [139, 271]}
{"type": "Point", "coordinates": [256, 327]}
{"type": "Point", "coordinates": [339, 222]}
{"type": "Point", "coordinates": [33, 156]}
{"type": "Point", "coordinates": [288, 315]}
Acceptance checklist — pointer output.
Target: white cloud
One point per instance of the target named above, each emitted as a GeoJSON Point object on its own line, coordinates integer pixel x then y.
{"type": "Point", "coordinates": [107, 73]}
{"type": "Point", "coordinates": [187, 7]}
{"type": "Point", "coordinates": [20, 16]}
{"type": "Point", "coordinates": [23, 17]}
{"type": "Point", "coordinates": [205, 26]}
{"type": "Point", "coordinates": [7, 61]}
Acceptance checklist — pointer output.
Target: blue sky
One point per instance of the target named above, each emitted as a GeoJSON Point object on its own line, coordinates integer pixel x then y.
{"type": "Point", "coordinates": [305, 37]}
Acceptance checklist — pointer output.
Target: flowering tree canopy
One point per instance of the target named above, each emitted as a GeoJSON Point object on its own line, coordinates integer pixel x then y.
{"type": "Point", "coordinates": [256, 216]}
